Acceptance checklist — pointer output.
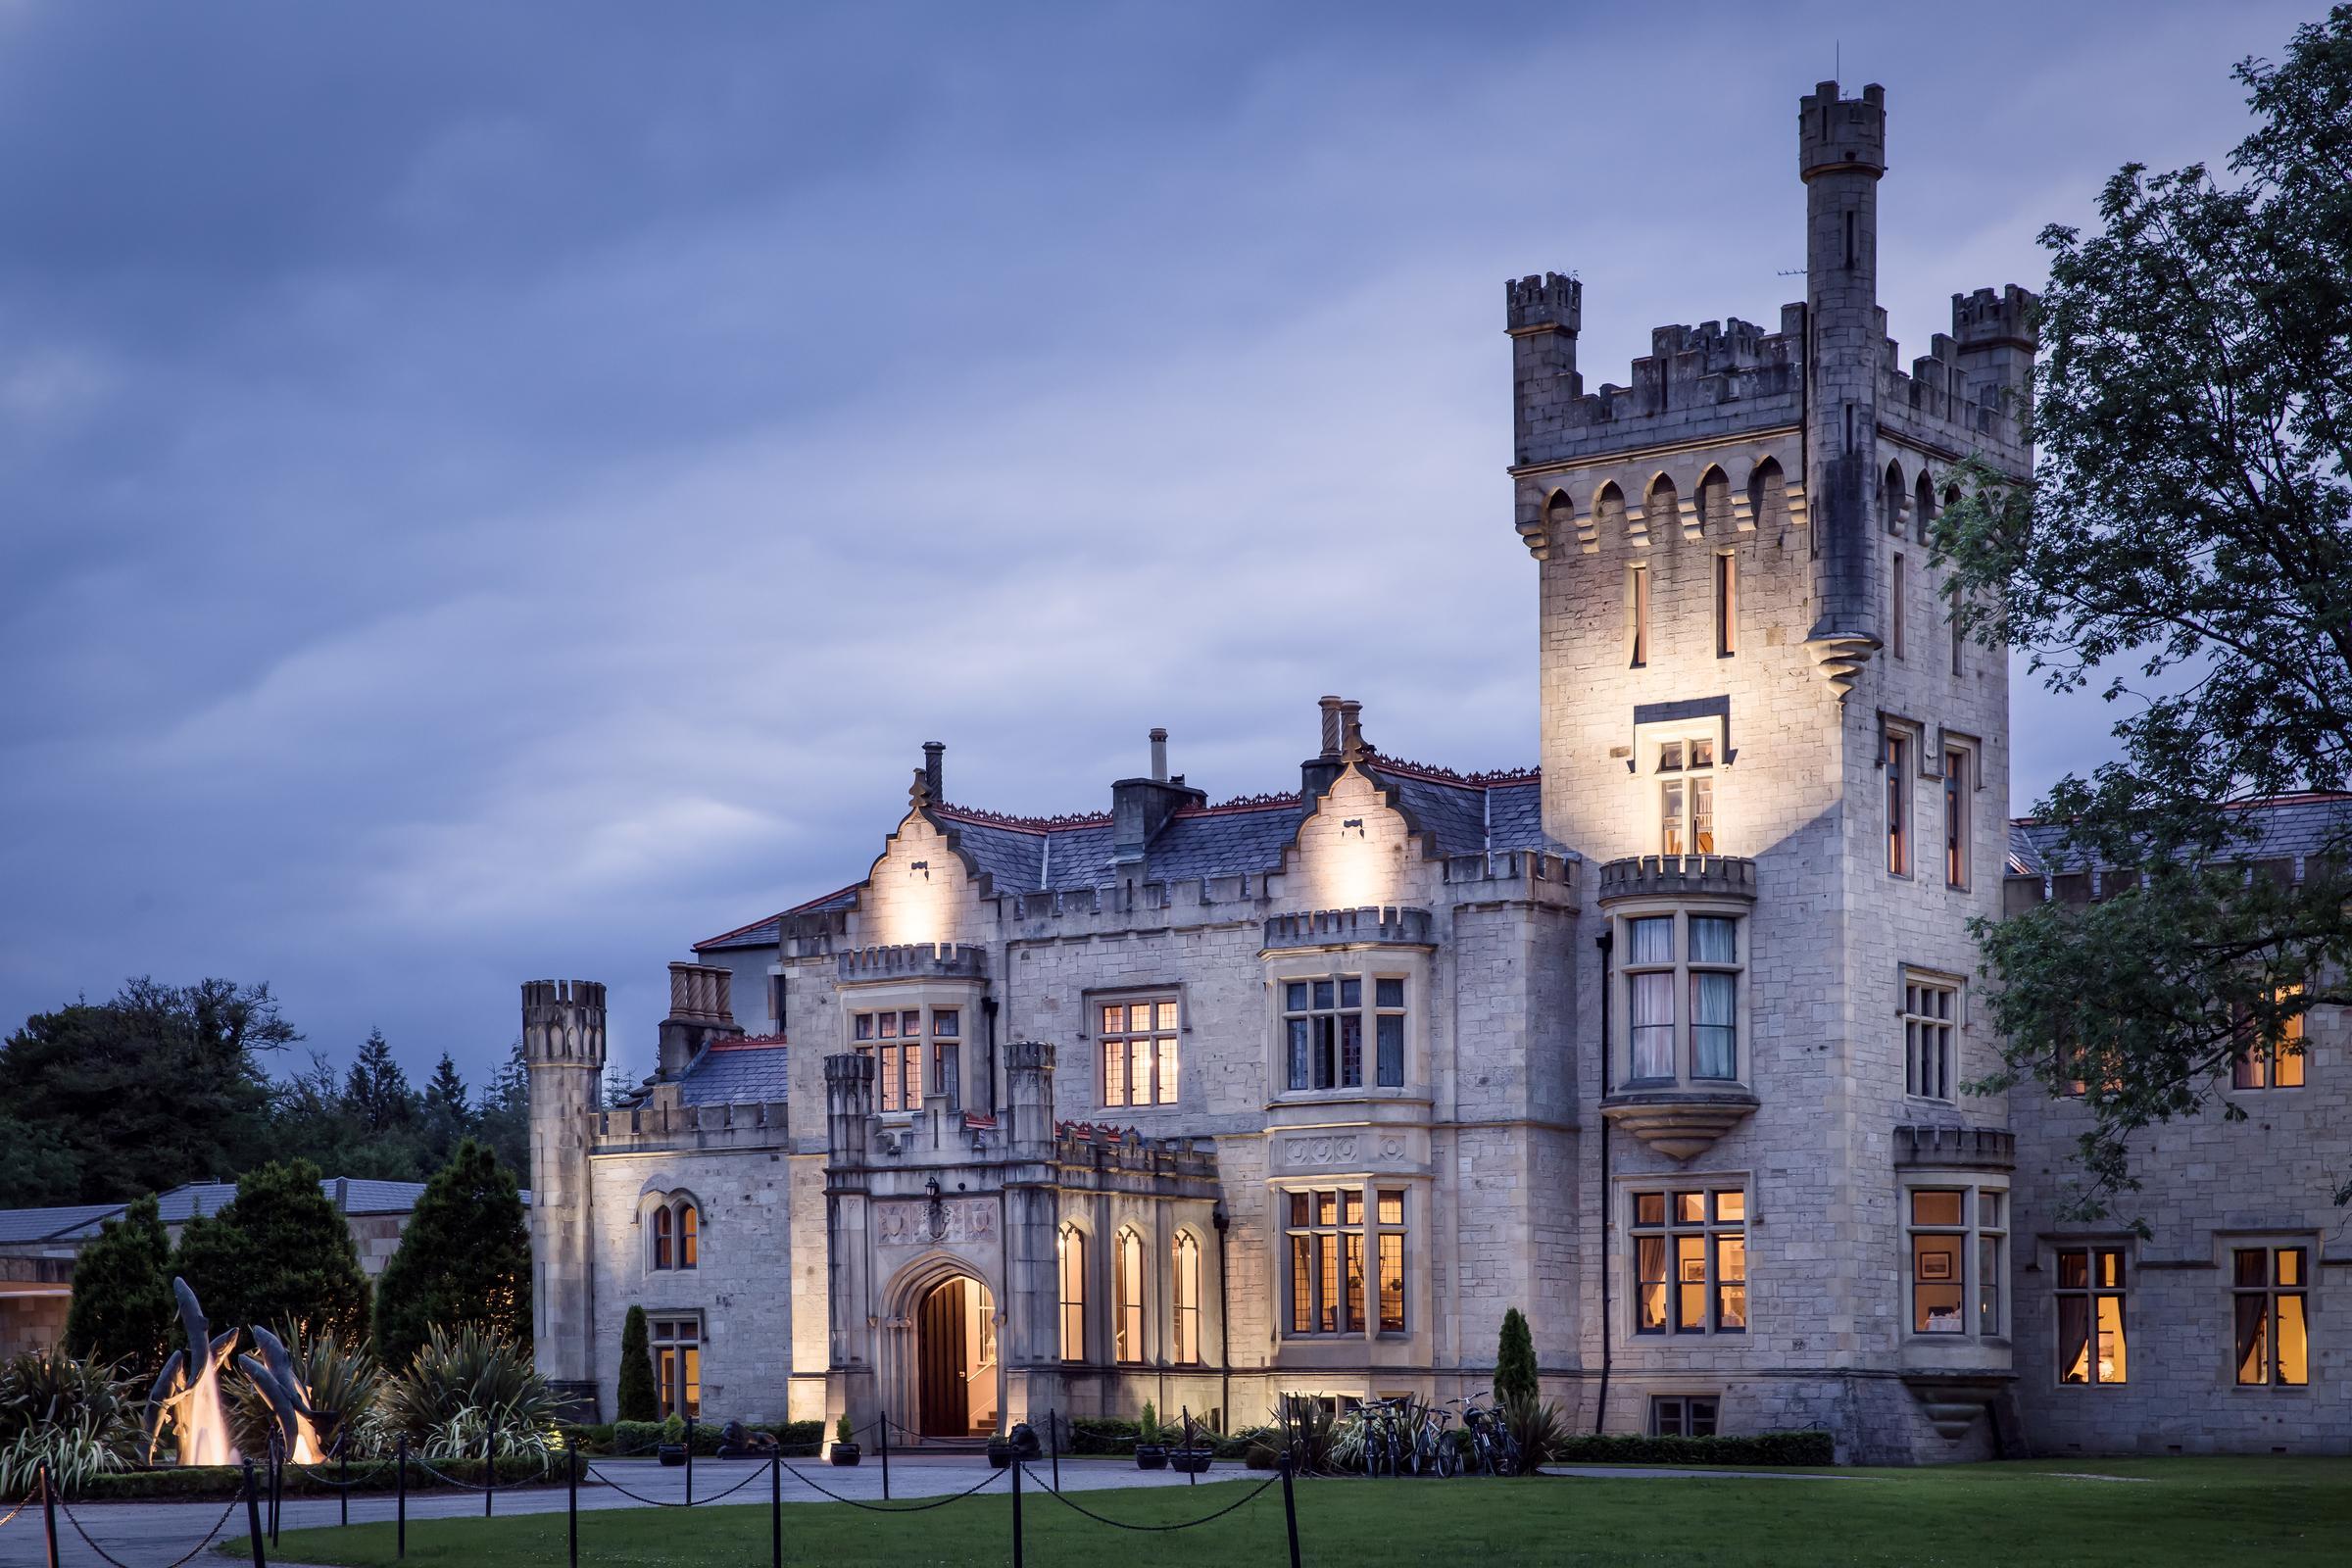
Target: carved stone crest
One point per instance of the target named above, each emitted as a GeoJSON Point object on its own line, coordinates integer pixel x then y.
{"type": "Point", "coordinates": [923, 1222]}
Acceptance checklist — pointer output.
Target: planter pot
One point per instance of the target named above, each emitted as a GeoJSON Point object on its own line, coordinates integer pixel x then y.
{"type": "Point", "coordinates": [672, 1454]}
{"type": "Point", "coordinates": [1190, 1461]}
{"type": "Point", "coordinates": [844, 1454]}
{"type": "Point", "coordinates": [999, 1453]}
{"type": "Point", "coordinates": [1150, 1457]}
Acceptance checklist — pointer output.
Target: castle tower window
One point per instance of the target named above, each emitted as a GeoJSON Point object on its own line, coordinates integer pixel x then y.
{"type": "Point", "coordinates": [1714, 501]}
{"type": "Point", "coordinates": [1727, 606]}
{"type": "Point", "coordinates": [1323, 1024]}
{"type": "Point", "coordinates": [1138, 1051]}
{"type": "Point", "coordinates": [1687, 804]}
{"type": "Point", "coordinates": [1928, 1009]}
{"type": "Point", "coordinates": [1898, 804]}
{"type": "Point", "coordinates": [1923, 505]}
{"type": "Point", "coordinates": [2090, 1315]}
{"type": "Point", "coordinates": [1127, 1296]}
{"type": "Point", "coordinates": [1898, 594]}
{"type": "Point", "coordinates": [2268, 1285]}
{"type": "Point", "coordinates": [690, 1234]}
{"type": "Point", "coordinates": [1694, 954]}
{"type": "Point", "coordinates": [1958, 1240]}
{"type": "Point", "coordinates": [2271, 1063]}
{"type": "Point", "coordinates": [1714, 996]}
{"type": "Point", "coordinates": [678, 1348]}
{"type": "Point", "coordinates": [1636, 599]}
{"type": "Point", "coordinates": [1768, 497]}
{"type": "Point", "coordinates": [666, 1246]}
{"type": "Point", "coordinates": [1070, 1256]}
{"type": "Point", "coordinates": [1650, 981]}
{"type": "Point", "coordinates": [1185, 1317]}
{"type": "Point", "coordinates": [1691, 1261]}
{"type": "Point", "coordinates": [896, 1039]}
{"type": "Point", "coordinates": [1956, 803]}
{"type": "Point", "coordinates": [1891, 499]}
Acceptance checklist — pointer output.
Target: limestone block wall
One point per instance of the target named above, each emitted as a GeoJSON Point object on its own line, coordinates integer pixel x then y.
{"type": "Point", "coordinates": [2208, 1186]}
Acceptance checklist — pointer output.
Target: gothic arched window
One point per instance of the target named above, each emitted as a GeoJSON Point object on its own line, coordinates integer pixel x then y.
{"type": "Point", "coordinates": [1127, 1297]}
{"type": "Point", "coordinates": [1184, 1319]}
{"type": "Point", "coordinates": [690, 1234]}
{"type": "Point", "coordinates": [1070, 1252]}
{"type": "Point", "coordinates": [665, 1253]}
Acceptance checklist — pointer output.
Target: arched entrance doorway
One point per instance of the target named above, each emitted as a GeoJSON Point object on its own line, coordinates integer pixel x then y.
{"type": "Point", "coordinates": [955, 1360]}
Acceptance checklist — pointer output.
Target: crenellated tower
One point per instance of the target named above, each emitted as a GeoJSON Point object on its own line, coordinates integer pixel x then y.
{"type": "Point", "coordinates": [564, 1051]}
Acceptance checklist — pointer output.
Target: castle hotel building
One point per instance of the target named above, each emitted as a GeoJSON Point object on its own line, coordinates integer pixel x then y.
{"type": "Point", "coordinates": [1664, 1041]}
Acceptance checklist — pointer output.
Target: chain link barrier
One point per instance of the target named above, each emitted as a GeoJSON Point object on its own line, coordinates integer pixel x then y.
{"type": "Point", "coordinates": [659, 1503]}
{"type": "Point", "coordinates": [989, 1479]}
{"type": "Point", "coordinates": [1120, 1524]}
{"type": "Point", "coordinates": [209, 1536]}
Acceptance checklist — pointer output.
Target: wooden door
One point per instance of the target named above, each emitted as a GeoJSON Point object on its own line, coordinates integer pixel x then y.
{"type": "Point", "coordinates": [939, 1335]}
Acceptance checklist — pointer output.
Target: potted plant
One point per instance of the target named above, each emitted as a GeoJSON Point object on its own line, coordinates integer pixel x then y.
{"type": "Point", "coordinates": [844, 1451]}
{"type": "Point", "coordinates": [1000, 1452]}
{"type": "Point", "coordinates": [672, 1449]}
{"type": "Point", "coordinates": [1150, 1453]}
{"type": "Point", "coordinates": [1192, 1452]}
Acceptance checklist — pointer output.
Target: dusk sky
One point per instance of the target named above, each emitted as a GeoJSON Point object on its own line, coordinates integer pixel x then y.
{"type": "Point", "coordinates": [493, 491]}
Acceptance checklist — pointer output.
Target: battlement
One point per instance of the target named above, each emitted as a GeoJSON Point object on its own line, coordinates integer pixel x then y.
{"type": "Point", "coordinates": [1954, 1148]}
{"type": "Point", "coordinates": [1967, 395]}
{"type": "Point", "coordinates": [1714, 380]}
{"type": "Point", "coordinates": [1326, 928]}
{"type": "Point", "coordinates": [1983, 319]}
{"type": "Point", "coordinates": [1837, 134]}
{"type": "Point", "coordinates": [664, 1124]}
{"type": "Point", "coordinates": [1110, 1151]}
{"type": "Point", "coordinates": [563, 1021]}
{"type": "Point", "coordinates": [1550, 301]}
{"type": "Point", "coordinates": [1642, 876]}
{"type": "Point", "coordinates": [915, 961]}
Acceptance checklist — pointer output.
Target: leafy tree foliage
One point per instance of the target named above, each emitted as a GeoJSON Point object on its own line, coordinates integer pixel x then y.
{"type": "Point", "coordinates": [122, 1306]}
{"type": "Point", "coordinates": [279, 1254]}
{"type": "Point", "coordinates": [2191, 518]}
{"type": "Point", "coordinates": [159, 1086]}
{"type": "Point", "coordinates": [37, 1166]}
{"type": "Point", "coordinates": [1514, 1360]}
{"type": "Point", "coordinates": [464, 1261]}
{"type": "Point", "coordinates": [636, 1399]}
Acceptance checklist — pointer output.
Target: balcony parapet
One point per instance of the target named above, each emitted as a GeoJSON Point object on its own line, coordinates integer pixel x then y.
{"type": "Point", "coordinates": [1391, 927]}
{"type": "Point", "coordinates": [1954, 1149]}
{"type": "Point", "coordinates": [1674, 876]}
{"type": "Point", "coordinates": [915, 961]}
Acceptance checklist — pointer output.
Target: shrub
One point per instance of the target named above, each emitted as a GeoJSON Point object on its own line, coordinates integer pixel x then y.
{"type": "Point", "coordinates": [637, 1401]}
{"type": "Point", "coordinates": [795, 1434]}
{"type": "Point", "coordinates": [1757, 1449]}
{"type": "Point", "coordinates": [464, 1261]}
{"type": "Point", "coordinates": [222, 1481]}
{"type": "Point", "coordinates": [633, 1437]}
{"type": "Point", "coordinates": [278, 1252]}
{"type": "Point", "coordinates": [445, 1400]}
{"type": "Point", "coordinates": [843, 1434]}
{"type": "Point", "coordinates": [341, 1384]}
{"type": "Point", "coordinates": [122, 1307]}
{"type": "Point", "coordinates": [1535, 1427]}
{"type": "Point", "coordinates": [1303, 1426]}
{"type": "Point", "coordinates": [1514, 1360]}
{"type": "Point", "coordinates": [78, 1416]}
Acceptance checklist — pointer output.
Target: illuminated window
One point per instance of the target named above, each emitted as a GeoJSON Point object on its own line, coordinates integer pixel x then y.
{"type": "Point", "coordinates": [1687, 796]}
{"type": "Point", "coordinates": [1127, 1296]}
{"type": "Point", "coordinates": [1682, 1416]}
{"type": "Point", "coordinates": [677, 1349]}
{"type": "Point", "coordinates": [1727, 606]}
{"type": "Point", "coordinates": [1898, 802]}
{"type": "Point", "coordinates": [1184, 1319]}
{"type": "Point", "coordinates": [2268, 1285]}
{"type": "Point", "coordinates": [1636, 599]}
{"type": "Point", "coordinates": [1328, 1239]}
{"type": "Point", "coordinates": [897, 1039]}
{"type": "Point", "coordinates": [690, 1233]}
{"type": "Point", "coordinates": [1138, 1051]}
{"type": "Point", "coordinates": [2090, 1315]}
{"type": "Point", "coordinates": [2272, 1062]}
{"type": "Point", "coordinates": [1959, 1245]}
{"type": "Point", "coordinates": [1070, 1255]}
{"type": "Point", "coordinates": [1691, 1261]}
{"type": "Point", "coordinates": [1955, 816]}
{"type": "Point", "coordinates": [1670, 956]}
{"type": "Point", "coordinates": [666, 1246]}
{"type": "Point", "coordinates": [1325, 1021]}
{"type": "Point", "coordinates": [1929, 1010]}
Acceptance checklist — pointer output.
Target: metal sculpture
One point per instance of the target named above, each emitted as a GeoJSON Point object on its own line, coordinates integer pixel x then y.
{"type": "Point", "coordinates": [187, 1391]}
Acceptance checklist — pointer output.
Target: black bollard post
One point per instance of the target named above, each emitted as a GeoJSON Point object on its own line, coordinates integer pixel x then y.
{"type": "Point", "coordinates": [571, 1507]}
{"type": "Point", "coordinates": [490, 1463]}
{"type": "Point", "coordinates": [882, 1429]}
{"type": "Point", "coordinates": [343, 1478]}
{"type": "Point", "coordinates": [775, 1508]}
{"type": "Point", "coordinates": [1016, 1510]}
{"type": "Point", "coordinates": [400, 1499]}
{"type": "Point", "coordinates": [277, 1483]}
{"type": "Point", "coordinates": [690, 1461]}
{"type": "Point", "coordinates": [49, 1511]}
{"type": "Point", "coordinates": [253, 1522]}
{"type": "Point", "coordinates": [1054, 1441]}
{"type": "Point", "coordinates": [1289, 1508]}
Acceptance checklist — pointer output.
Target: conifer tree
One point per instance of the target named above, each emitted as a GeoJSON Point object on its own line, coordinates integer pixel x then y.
{"type": "Point", "coordinates": [123, 1305]}
{"type": "Point", "coordinates": [279, 1254]}
{"type": "Point", "coordinates": [637, 1400]}
{"type": "Point", "coordinates": [1514, 1360]}
{"type": "Point", "coordinates": [464, 1261]}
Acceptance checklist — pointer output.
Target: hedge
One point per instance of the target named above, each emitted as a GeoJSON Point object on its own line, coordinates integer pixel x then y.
{"type": "Point", "coordinates": [1087, 1434]}
{"type": "Point", "coordinates": [1758, 1448]}
{"type": "Point", "coordinates": [636, 1439]}
{"type": "Point", "coordinates": [220, 1481]}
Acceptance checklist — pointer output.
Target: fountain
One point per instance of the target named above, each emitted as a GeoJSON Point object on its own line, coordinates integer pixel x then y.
{"type": "Point", "coordinates": [188, 1390]}
{"type": "Point", "coordinates": [282, 1391]}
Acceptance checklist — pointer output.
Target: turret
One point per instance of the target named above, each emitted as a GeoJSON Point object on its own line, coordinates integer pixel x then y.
{"type": "Point", "coordinates": [1841, 151]}
{"type": "Point", "coordinates": [564, 1051]}
{"type": "Point", "coordinates": [1996, 342]}
{"type": "Point", "coordinates": [1542, 315]}
{"type": "Point", "coordinates": [1029, 1100]}
{"type": "Point", "coordinates": [849, 1104]}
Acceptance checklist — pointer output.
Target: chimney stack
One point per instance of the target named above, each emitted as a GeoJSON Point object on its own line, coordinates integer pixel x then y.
{"type": "Point", "coordinates": [933, 750]}
{"type": "Point", "coordinates": [1332, 734]}
{"type": "Point", "coordinates": [1160, 754]}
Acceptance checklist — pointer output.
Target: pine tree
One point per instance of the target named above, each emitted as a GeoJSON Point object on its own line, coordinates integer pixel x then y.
{"type": "Point", "coordinates": [279, 1254]}
{"type": "Point", "coordinates": [464, 1261]}
{"type": "Point", "coordinates": [122, 1306]}
{"type": "Point", "coordinates": [1514, 1360]}
{"type": "Point", "coordinates": [447, 1114]}
{"type": "Point", "coordinates": [504, 1119]}
{"type": "Point", "coordinates": [637, 1401]}
{"type": "Point", "coordinates": [376, 1095]}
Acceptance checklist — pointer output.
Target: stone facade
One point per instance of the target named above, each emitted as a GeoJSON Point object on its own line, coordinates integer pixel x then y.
{"type": "Point", "coordinates": [1663, 1042]}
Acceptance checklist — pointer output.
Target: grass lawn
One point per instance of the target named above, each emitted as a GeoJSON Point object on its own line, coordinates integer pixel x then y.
{"type": "Point", "coordinates": [2190, 1511]}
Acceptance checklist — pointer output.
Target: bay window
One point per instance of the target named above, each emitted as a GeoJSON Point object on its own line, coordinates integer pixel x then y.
{"type": "Point", "coordinates": [1329, 1245]}
{"type": "Point", "coordinates": [1958, 1238]}
{"type": "Point", "coordinates": [1675, 962]}
{"type": "Point", "coordinates": [1689, 1261]}
{"type": "Point", "coordinates": [1325, 1023]}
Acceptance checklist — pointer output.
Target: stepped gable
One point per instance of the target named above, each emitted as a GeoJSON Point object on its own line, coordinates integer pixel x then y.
{"type": "Point", "coordinates": [738, 1070]}
{"type": "Point", "coordinates": [766, 933]}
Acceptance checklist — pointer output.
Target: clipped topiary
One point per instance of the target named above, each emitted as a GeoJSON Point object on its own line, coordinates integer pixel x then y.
{"type": "Point", "coordinates": [636, 1400]}
{"type": "Point", "coordinates": [1514, 1360]}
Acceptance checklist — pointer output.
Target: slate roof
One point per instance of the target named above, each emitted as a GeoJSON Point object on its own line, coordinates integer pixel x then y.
{"type": "Point", "coordinates": [736, 1071]}
{"type": "Point", "coordinates": [353, 1195]}
{"type": "Point", "coordinates": [22, 1225]}
{"type": "Point", "coordinates": [2285, 826]}
{"type": "Point", "coordinates": [766, 933]}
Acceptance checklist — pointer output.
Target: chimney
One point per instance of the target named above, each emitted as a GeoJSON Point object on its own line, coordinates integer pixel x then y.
{"type": "Point", "coordinates": [700, 1008]}
{"type": "Point", "coordinates": [933, 750]}
{"type": "Point", "coordinates": [1332, 737]}
{"type": "Point", "coordinates": [1316, 773]}
{"type": "Point", "coordinates": [1352, 727]}
{"type": "Point", "coordinates": [1140, 807]}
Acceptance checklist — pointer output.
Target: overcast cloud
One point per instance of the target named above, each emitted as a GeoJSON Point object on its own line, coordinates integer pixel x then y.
{"type": "Point", "coordinates": [491, 491]}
